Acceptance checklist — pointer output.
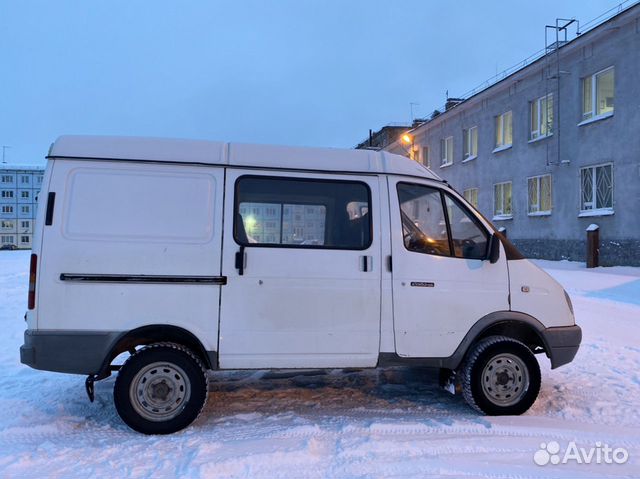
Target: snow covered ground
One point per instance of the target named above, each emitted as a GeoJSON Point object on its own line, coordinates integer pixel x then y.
{"type": "Point", "coordinates": [372, 423]}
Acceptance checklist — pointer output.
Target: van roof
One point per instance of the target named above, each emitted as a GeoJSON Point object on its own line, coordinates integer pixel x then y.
{"type": "Point", "coordinates": [235, 154]}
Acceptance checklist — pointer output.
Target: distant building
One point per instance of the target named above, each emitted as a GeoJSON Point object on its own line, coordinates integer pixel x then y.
{"type": "Point", "coordinates": [19, 188]}
{"type": "Point", "coordinates": [383, 137]}
{"type": "Point", "coordinates": [551, 147]}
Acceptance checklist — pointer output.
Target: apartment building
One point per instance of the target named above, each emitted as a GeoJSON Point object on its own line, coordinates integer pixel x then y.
{"type": "Point", "coordinates": [552, 147]}
{"type": "Point", "coordinates": [19, 188]}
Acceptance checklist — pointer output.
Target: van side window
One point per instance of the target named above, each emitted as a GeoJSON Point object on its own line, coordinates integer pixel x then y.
{"type": "Point", "coordinates": [303, 213]}
{"type": "Point", "coordinates": [424, 225]}
{"type": "Point", "coordinates": [433, 222]}
{"type": "Point", "coordinates": [470, 240]}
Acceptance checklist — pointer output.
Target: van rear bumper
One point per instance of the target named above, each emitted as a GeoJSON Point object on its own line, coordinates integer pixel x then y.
{"type": "Point", "coordinates": [562, 344]}
{"type": "Point", "coordinates": [74, 352]}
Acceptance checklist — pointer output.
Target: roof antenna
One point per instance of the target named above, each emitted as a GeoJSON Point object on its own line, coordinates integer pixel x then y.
{"type": "Point", "coordinates": [411, 105]}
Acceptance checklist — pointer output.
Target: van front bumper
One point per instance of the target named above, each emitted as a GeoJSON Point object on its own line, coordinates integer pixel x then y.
{"type": "Point", "coordinates": [74, 352]}
{"type": "Point", "coordinates": [562, 344]}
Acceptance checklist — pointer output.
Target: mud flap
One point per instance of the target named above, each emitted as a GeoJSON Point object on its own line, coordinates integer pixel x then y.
{"type": "Point", "coordinates": [88, 384]}
{"type": "Point", "coordinates": [448, 380]}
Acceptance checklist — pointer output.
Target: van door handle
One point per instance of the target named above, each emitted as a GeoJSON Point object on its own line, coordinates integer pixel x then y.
{"type": "Point", "coordinates": [241, 259]}
{"type": "Point", "coordinates": [366, 263]}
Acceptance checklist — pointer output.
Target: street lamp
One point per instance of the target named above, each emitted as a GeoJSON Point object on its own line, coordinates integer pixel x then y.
{"type": "Point", "coordinates": [407, 139]}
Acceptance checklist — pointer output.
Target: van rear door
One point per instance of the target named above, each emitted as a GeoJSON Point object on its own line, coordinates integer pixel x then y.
{"type": "Point", "coordinates": [302, 257]}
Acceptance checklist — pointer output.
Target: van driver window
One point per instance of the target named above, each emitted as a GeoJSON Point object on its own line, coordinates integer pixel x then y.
{"type": "Point", "coordinates": [424, 226]}
{"type": "Point", "coordinates": [428, 228]}
{"type": "Point", "coordinates": [302, 213]}
{"type": "Point", "coordinates": [469, 239]}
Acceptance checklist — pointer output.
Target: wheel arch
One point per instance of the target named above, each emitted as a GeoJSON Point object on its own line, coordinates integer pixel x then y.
{"type": "Point", "coordinates": [154, 333]}
{"type": "Point", "coordinates": [522, 331]}
{"type": "Point", "coordinates": [512, 324]}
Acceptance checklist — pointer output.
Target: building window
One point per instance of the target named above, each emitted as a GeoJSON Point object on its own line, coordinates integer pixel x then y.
{"type": "Point", "coordinates": [7, 179]}
{"type": "Point", "coordinates": [471, 195]}
{"type": "Point", "coordinates": [7, 225]}
{"type": "Point", "coordinates": [25, 224]}
{"type": "Point", "coordinates": [414, 153]}
{"type": "Point", "coordinates": [502, 201]}
{"type": "Point", "coordinates": [7, 239]}
{"type": "Point", "coordinates": [542, 117]}
{"type": "Point", "coordinates": [24, 239]}
{"type": "Point", "coordinates": [446, 151]}
{"type": "Point", "coordinates": [504, 130]}
{"type": "Point", "coordinates": [425, 159]}
{"type": "Point", "coordinates": [470, 143]}
{"type": "Point", "coordinates": [422, 156]}
{"type": "Point", "coordinates": [540, 195]}
{"type": "Point", "coordinates": [596, 184]}
{"type": "Point", "coordinates": [24, 194]}
{"type": "Point", "coordinates": [302, 209]}
{"type": "Point", "coordinates": [7, 194]}
{"type": "Point", "coordinates": [7, 209]}
{"type": "Point", "coordinates": [24, 179]}
{"type": "Point", "coordinates": [26, 209]}
{"type": "Point", "coordinates": [598, 94]}
{"type": "Point", "coordinates": [39, 179]}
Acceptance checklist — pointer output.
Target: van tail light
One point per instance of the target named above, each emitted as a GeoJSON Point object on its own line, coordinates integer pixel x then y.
{"type": "Point", "coordinates": [32, 281]}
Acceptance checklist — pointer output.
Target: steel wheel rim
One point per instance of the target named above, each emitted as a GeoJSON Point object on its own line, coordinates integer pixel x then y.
{"type": "Point", "coordinates": [160, 391]}
{"type": "Point", "coordinates": [505, 379]}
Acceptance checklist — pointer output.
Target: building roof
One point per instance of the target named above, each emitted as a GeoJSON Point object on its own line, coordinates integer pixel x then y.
{"type": "Point", "coordinates": [384, 133]}
{"type": "Point", "coordinates": [235, 154]}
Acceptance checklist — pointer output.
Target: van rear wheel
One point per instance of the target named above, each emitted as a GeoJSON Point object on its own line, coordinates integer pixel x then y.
{"type": "Point", "coordinates": [500, 376]}
{"type": "Point", "coordinates": [160, 389]}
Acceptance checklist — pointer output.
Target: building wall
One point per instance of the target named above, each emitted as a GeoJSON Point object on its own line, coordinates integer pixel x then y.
{"type": "Point", "coordinates": [615, 140]}
{"type": "Point", "coordinates": [19, 188]}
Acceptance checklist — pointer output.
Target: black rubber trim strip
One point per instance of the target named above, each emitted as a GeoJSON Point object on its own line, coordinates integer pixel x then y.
{"type": "Point", "coordinates": [51, 201]}
{"type": "Point", "coordinates": [143, 278]}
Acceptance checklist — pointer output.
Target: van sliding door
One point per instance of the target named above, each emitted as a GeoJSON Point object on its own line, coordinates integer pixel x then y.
{"type": "Point", "coordinates": [302, 260]}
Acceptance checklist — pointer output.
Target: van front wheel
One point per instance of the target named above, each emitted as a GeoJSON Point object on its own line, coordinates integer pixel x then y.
{"type": "Point", "coordinates": [500, 376]}
{"type": "Point", "coordinates": [160, 389]}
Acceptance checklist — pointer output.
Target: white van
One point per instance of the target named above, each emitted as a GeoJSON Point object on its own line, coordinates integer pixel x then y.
{"type": "Point", "coordinates": [195, 256]}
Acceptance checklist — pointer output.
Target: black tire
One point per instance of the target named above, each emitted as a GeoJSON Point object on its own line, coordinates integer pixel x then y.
{"type": "Point", "coordinates": [160, 389]}
{"type": "Point", "coordinates": [500, 376]}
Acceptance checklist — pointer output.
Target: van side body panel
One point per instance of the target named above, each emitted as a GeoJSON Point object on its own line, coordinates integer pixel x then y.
{"type": "Point", "coordinates": [130, 220]}
{"type": "Point", "coordinates": [536, 293]}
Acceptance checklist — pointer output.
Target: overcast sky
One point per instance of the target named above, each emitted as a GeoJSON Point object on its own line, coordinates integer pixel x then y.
{"type": "Point", "coordinates": [311, 73]}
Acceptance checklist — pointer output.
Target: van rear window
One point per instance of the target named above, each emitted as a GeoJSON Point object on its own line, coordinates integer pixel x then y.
{"type": "Point", "coordinates": [302, 213]}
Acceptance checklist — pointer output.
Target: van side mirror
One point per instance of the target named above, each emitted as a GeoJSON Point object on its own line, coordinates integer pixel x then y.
{"type": "Point", "coordinates": [493, 253]}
